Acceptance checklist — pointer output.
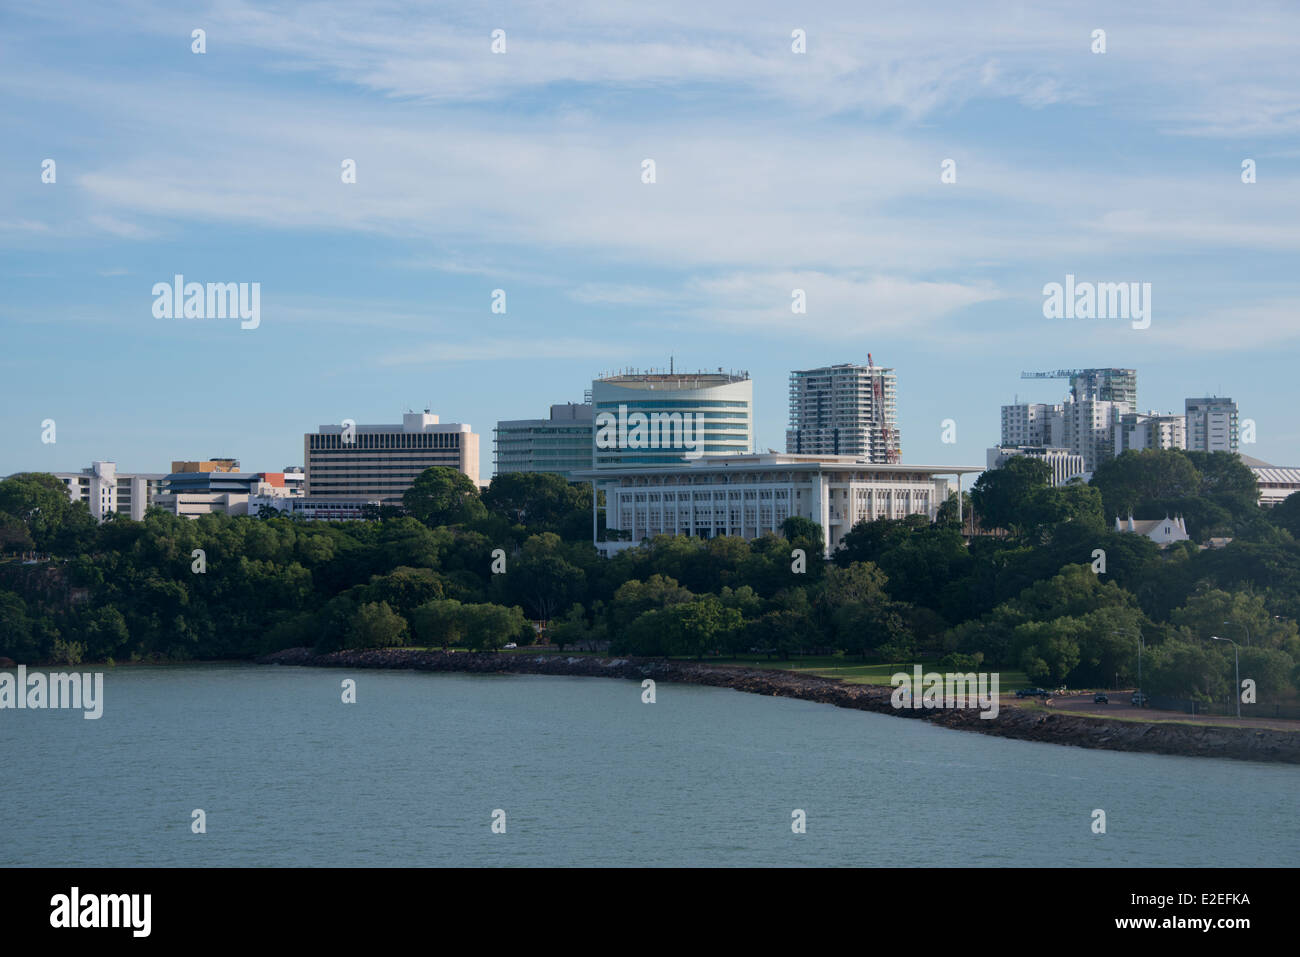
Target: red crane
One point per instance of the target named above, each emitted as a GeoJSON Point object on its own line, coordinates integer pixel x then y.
{"type": "Point", "coordinates": [878, 412]}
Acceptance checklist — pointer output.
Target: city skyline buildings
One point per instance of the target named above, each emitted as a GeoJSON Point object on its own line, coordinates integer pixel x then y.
{"type": "Point", "coordinates": [1044, 427]}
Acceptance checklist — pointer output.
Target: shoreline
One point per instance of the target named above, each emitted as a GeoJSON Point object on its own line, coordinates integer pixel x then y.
{"type": "Point", "coordinates": [1243, 744]}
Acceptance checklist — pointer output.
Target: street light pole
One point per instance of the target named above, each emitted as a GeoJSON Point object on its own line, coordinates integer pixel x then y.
{"type": "Point", "coordinates": [1243, 625]}
{"type": "Point", "coordinates": [1137, 632]}
{"type": "Point", "coordinates": [1236, 692]}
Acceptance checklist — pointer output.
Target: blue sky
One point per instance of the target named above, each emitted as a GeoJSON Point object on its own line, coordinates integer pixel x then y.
{"type": "Point", "coordinates": [522, 171]}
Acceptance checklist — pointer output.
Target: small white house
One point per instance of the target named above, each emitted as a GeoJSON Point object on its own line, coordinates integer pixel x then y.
{"type": "Point", "coordinates": [1162, 531]}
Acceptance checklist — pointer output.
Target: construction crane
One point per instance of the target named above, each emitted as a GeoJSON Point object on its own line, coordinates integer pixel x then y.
{"type": "Point", "coordinates": [878, 411]}
{"type": "Point", "coordinates": [1058, 374]}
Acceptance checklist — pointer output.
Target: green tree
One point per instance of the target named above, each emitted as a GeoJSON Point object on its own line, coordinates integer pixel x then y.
{"type": "Point", "coordinates": [1075, 504]}
{"type": "Point", "coordinates": [542, 578]}
{"type": "Point", "coordinates": [1048, 650]}
{"type": "Point", "coordinates": [40, 501]}
{"type": "Point", "coordinates": [1286, 514]}
{"type": "Point", "coordinates": [1240, 615]}
{"type": "Point", "coordinates": [1185, 666]}
{"type": "Point", "coordinates": [439, 623]}
{"type": "Point", "coordinates": [405, 588]}
{"type": "Point", "coordinates": [634, 598]}
{"type": "Point", "coordinates": [489, 626]}
{"type": "Point", "coordinates": [570, 630]}
{"type": "Point", "coordinates": [17, 634]}
{"type": "Point", "coordinates": [781, 632]}
{"type": "Point", "coordinates": [443, 496]}
{"type": "Point", "coordinates": [804, 533]}
{"type": "Point", "coordinates": [1135, 478]}
{"type": "Point", "coordinates": [1004, 496]}
{"type": "Point", "coordinates": [376, 625]}
{"type": "Point", "coordinates": [702, 626]}
{"type": "Point", "coordinates": [542, 501]}
{"type": "Point", "coordinates": [14, 536]}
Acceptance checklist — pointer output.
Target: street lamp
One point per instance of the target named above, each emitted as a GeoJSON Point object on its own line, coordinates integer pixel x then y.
{"type": "Point", "coordinates": [1236, 691]}
{"type": "Point", "coordinates": [1137, 632]}
{"type": "Point", "coordinates": [1243, 625]}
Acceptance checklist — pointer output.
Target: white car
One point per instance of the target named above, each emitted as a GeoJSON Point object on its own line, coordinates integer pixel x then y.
{"type": "Point", "coordinates": [512, 645]}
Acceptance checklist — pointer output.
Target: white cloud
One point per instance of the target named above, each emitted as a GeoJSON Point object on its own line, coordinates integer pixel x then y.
{"type": "Point", "coordinates": [503, 347]}
{"type": "Point", "coordinates": [24, 226]}
{"type": "Point", "coordinates": [1247, 326]}
{"type": "Point", "coordinates": [838, 307]}
{"type": "Point", "coordinates": [120, 227]}
{"type": "Point", "coordinates": [623, 295]}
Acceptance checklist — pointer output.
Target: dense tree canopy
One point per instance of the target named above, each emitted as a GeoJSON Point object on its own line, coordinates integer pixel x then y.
{"type": "Point", "coordinates": [443, 496]}
{"type": "Point", "coordinates": [462, 570]}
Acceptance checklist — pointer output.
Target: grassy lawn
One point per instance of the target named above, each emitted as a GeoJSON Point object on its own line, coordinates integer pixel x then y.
{"type": "Point", "coordinates": [855, 672]}
{"type": "Point", "coordinates": [1207, 722]}
{"type": "Point", "coordinates": [849, 670]}
{"type": "Point", "coordinates": [522, 650]}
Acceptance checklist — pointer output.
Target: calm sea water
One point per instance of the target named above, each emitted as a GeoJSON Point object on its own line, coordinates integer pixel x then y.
{"type": "Point", "coordinates": [587, 775]}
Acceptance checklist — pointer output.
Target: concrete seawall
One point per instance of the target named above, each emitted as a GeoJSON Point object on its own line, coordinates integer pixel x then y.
{"type": "Point", "coordinates": [1246, 744]}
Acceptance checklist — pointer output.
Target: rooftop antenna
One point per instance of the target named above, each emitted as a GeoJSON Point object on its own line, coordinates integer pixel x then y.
{"type": "Point", "coordinates": [670, 365]}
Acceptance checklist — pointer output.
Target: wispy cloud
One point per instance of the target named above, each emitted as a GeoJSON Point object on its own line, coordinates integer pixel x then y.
{"type": "Point", "coordinates": [502, 348]}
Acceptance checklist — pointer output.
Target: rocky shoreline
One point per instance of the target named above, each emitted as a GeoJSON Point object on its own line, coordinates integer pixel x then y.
{"type": "Point", "coordinates": [1245, 744]}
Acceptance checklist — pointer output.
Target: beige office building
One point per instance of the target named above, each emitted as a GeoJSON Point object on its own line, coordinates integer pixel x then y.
{"type": "Point", "coordinates": [379, 462]}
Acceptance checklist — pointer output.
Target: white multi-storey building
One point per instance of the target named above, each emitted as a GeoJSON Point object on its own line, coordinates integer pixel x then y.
{"type": "Point", "coordinates": [107, 491]}
{"type": "Point", "coordinates": [1090, 430]}
{"type": "Point", "coordinates": [1085, 423]}
{"type": "Point", "coordinates": [1033, 424]}
{"type": "Point", "coordinates": [688, 415]}
{"type": "Point", "coordinates": [1211, 424]}
{"type": "Point", "coordinates": [1150, 430]}
{"type": "Point", "coordinates": [833, 411]}
{"type": "Point", "coordinates": [752, 495]}
{"type": "Point", "coordinates": [1064, 464]}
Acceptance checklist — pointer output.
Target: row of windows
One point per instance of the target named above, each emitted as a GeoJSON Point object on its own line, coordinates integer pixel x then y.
{"type": "Point", "coordinates": [703, 518]}
{"type": "Point", "coordinates": [407, 458]}
{"type": "Point", "coordinates": [676, 404]}
{"type": "Point", "coordinates": [585, 442]}
{"type": "Point", "coordinates": [762, 495]}
{"type": "Point", "coordinates": [387, 440]}
{"type": "Point", "coordinates": [356, 487]}
{"type": "Point", "coordinates": [545, 430]}
{"type": "Point", "coordinates": [360, 468]}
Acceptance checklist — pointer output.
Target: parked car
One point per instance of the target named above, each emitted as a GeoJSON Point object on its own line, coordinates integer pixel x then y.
{"type": "Point", "coordinates": [1100, 698]}
{"type": "Point", "coordinates": [1033, 693]}
{"type": "Point", "coordinates": [511, 645]}
{"type": "Point", "coordinates": [1139, 699]}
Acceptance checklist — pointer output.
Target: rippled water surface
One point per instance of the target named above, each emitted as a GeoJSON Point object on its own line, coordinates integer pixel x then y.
{"type": "Point", "coordinates": [587, 775]}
